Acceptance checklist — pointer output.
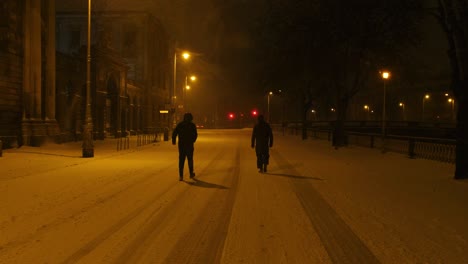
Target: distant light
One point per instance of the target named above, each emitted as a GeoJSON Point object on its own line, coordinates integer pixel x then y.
{"type": "Point", "coordinates": [271, 93]}
{"type": "Point", "coordinates": [385, 74]}
{"type": "Point", "coordinates": [450, 100]}
{"type": "Point", "coordinates": [187, 87]}
{"type": "Point", "coordinates": [186, 55]}
{"type": "Point", "coordinates": [313, 111]}
{"type": "Point", "coordinates": [366, 107]}
{"type": "Point", "coordinates": [333, 109]}
{"type": "Point", "coordinates": [446, 94]}
{"type": "Point", "coordinates": [163, 111]}
{"type": "Point", "coordinates": [426, 96]}
{"type": "Point", "coordinates": [193, 78]}
{"type": "Point", "coordinates": [401, 104]}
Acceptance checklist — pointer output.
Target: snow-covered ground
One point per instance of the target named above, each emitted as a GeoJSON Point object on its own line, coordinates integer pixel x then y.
{"type": "Point", "coordinates": [315, 205]}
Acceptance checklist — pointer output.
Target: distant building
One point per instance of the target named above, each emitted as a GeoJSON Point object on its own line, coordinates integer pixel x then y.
{"type": "Point", "coordinates": [43, 73]}
{"type": "Point", "coordinates": [131, 72]}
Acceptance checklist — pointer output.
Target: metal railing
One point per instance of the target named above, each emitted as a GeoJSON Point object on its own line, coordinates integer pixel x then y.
{"type": "Point", "coordinates": [438, 149]}
{"type": "Point", "coordinates": [123, 143]}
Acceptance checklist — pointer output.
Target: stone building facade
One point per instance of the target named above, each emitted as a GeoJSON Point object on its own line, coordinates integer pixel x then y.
{"type": "Point", "coordinates": [43, 73]}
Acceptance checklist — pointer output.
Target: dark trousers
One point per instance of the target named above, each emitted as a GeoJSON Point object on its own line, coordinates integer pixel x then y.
{"type": "Point", "coordinates": [263, 156]}
{"type": "Point", "coordinates": [185, 152]}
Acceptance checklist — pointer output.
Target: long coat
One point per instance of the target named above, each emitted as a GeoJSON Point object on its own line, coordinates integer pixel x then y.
{"type": "Point", "coordinates": [262, 138]}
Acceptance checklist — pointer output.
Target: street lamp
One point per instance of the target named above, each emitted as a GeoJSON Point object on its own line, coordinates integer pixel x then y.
{"type": "Point", "coordinates": [385, 76]}
{"type": "Point", "coordinates": [88, 147]}
{"type": "Point", "coordinates": [402, 105]}
{"type": "Point", "coordinates": [367, 109]}
{"type": "Point", "coordinates": [185, 56]}
{"type": "Point", "coordinates": [426, 97]}
{"type": "Point", "coordinates": [314, 113]}
{"type": "Point", "coordinates": [187, 87]}
{"type": "Point", "coordinates": [268, 105]}
{"type": "Point", "coordinates": [452, 103]}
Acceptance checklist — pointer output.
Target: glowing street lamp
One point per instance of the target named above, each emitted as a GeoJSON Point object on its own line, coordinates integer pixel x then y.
{"type": "Point", "coordinates": [385, 76]}
{"type": "Point", "coordinates": [268, 105]}
{"type": "Point", "coordinates": [367, 109]}
{"type": "Point", "coordinates": [314, 113]}
{"type": "Point", "coordinates": [452, 103]}
{"type": "Point", "coordinates": [187, 87]}
{"type": "Point", "coordinates": [426, 97]}
{"type": "Point", "coordinates": [185, 56]}
{"type": "Point", "coordinates": [402, 105]}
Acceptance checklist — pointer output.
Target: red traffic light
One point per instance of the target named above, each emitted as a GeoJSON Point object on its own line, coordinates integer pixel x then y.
{"type": "Point", "coordinates": [231, 116]}
{"type": "Point", "coordinates": [254, 112]}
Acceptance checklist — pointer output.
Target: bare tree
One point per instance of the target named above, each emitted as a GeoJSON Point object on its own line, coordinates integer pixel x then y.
{"type": "Point", "coordinates": [453, 17]}
{"type": "Point", "coordinates": [332, 47]}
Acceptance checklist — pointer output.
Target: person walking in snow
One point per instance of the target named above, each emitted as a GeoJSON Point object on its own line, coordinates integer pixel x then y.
{"type": "Point", "coordinates": [187, 133]}
{"type": "Point", "coordinates": [262, 141]}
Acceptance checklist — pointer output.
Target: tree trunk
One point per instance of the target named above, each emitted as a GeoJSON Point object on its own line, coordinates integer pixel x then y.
{"type": "Point", "coordinates": [461, 161]}
{"type": "Point", "coordinates": [339, 133]}
{"type": "Point", "coordinates": [304, 122]}
{"type": "Point", "coordinates": [457, 39]}
{"type": "Point", "coordinates": [305, 110]}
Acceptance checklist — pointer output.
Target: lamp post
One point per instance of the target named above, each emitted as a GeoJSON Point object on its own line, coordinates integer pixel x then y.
{"type": "Point", "coordinates": [367, 109]}
{"type": "Point", "coordinates": [426, 97]}
{"type": "Point", "coordinates": [452, 104]}
{"type": "Point", "coordinates": [88, 148]}
{"type": "Point", "coordinates": [187, 87]}
{"type": "Point", "coordinates": [268, 106]}
{"type": "Point", "coordinates": [385, 76]}
{"type": "Point", "coordinates": [314, 113]}
{"type": "Point", "coordinates": [402, 105]}
{"type": "Point", "coordinates": [185, 56]}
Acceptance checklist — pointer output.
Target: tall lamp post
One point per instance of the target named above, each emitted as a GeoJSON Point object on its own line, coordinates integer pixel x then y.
{"type": "Point", "coordinates": [452, 104]}
{"type": "Point", "coordinates": [186, 88]}
{"type": "Point", "coordinates": [367, 110]}
{"type": "Point", "coordinates": [385, 76]}
{"type": "Point", "coordinates": [402, 105]}
{"type": "Point", "coordinates": [88, 148]}
{"type": "Point", "coordinates": [426, 97]}
{"type": "Point", "coordinates": [268, 105]}
{"type": "Point", "coordinates": [185, 56]}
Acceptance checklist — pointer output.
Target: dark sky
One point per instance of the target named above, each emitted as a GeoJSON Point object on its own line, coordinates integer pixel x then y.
{"type": "Point", "coordinates": [224, 48]}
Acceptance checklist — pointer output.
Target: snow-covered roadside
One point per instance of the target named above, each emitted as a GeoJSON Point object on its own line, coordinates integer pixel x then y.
{"type": "Point", "coordinates": [131, 208]}
{"type": "Point", "coordinates": [405, 210]}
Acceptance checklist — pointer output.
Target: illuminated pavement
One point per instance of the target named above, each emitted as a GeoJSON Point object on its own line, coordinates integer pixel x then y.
{"type": "Point", "coordinates": [315, 205]}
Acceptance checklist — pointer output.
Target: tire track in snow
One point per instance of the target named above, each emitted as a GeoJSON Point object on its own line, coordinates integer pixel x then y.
{"type": "Point", "coordinates": [46, 227]}
{"type": "Point", "coordinates": [341, 243]}
{"type": "Point", "coordinates": [103, 236]}
{"type": "Point", "coordinates": [133, 252]}
{"type": "Point", "coordinates": [205, 245]}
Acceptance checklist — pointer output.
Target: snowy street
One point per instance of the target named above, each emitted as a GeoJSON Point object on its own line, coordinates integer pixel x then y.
{"type": "Point", "coordinates": [314, 205]}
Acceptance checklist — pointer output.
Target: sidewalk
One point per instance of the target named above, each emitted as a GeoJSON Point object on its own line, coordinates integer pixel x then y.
{"type": "Point", "coordinates": [29, 159]}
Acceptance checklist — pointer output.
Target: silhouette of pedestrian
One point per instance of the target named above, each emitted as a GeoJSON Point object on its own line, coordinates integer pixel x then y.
{"type": "Point", "coordinates": [262, 141]}
{"type": "Point", "coordinates": [187, 133]}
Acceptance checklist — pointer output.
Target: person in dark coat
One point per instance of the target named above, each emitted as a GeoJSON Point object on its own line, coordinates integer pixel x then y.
{"type": "Point", "coordinates": [187, 133]}
{"type": "Point", "coordinates": [262, 141]}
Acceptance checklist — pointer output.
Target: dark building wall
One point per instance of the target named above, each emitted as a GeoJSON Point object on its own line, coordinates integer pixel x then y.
{"type": "Point", "coordinates": [11, 74]}
{"type": "Point", "coordinates": [138, 39]}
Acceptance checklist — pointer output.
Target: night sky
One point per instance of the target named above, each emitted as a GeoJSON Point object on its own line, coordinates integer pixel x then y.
{"type": "Point", "coordinates": [220, 32]}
